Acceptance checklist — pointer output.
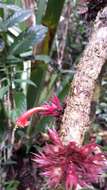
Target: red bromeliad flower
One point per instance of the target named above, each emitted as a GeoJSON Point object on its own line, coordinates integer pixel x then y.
{"type": "Point", "coordinates": [52, 108]}
{"type": "Point", "coordinates": [70, 164]}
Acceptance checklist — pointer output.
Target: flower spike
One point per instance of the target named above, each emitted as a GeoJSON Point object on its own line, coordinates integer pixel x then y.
{"type": "Point", "coordinates": [52, 108]}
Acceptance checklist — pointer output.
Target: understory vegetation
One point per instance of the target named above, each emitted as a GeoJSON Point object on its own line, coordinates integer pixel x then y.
{"type": "Point", "coordinates": [41, 43]}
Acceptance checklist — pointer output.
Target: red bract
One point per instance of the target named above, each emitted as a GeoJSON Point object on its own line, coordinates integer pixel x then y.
{"type": "Point", "coordinates": [70, 164]}
{"type": "Point", "coordinates": [52, 108]}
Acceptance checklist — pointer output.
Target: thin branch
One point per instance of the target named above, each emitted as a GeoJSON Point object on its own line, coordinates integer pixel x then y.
{"type": "Point", "coordinates": [62, 43]}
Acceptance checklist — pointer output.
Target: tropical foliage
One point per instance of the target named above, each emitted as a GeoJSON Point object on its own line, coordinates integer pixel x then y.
{"type": "Point", "coordinates": [38, 63]}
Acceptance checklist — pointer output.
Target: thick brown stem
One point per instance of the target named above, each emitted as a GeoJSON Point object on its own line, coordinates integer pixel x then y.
{"type": "Point", "coordinates": [76, 119]}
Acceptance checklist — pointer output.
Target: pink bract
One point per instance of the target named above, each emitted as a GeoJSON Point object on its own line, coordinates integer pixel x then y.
{"type": "Point", "coordinates": [70, 164]}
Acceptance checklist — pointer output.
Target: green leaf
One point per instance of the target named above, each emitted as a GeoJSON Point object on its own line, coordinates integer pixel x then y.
{"type": "Point", "coordinates": [10, 6]}
{"type": "Point", "coordinates": [25, 81]}
{"type": "Point", "coordinates": [37, 76]}
{"type": "Point", "coordinates": [47, 89]}
{"type": "Point", "coordinates": [11, 185]}
{"type": "Point", "coordinates": [13, 60]}
{"type": "Point", "coordinates": [40, 11]}
{"type": "Point", "coordinates": [27, 39]}
{"type": "Point", "coordinates": [44, 58]}
{"type": "Point", "coordinates": [20, 105]}
{"type": "Point", "coordinates": [53, 12]}
{"type": "Point", "coordinates": [3, 91]}
{"type": "Point", "coordinates": [16, 18]}
{"type": "Point", "coordinates": [20, 101]}
{"type": "Point", "coordinates": [104, 148]}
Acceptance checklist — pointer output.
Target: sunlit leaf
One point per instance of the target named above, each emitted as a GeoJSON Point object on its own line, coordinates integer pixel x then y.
{"type": "Point", "coordinates": [44, 58]}
{"type": "Point", "coordinates": [27, 39]}
{"type": "Point", "coordinates": [16, 18]}
{"type": "Point", "coordinates": [9, 6]}
{"type": "Point", "coordinates": [25, 81]}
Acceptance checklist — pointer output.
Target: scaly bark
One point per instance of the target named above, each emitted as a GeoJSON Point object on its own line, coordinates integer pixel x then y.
{"type": "Point", "coordinates": [76, 119]}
